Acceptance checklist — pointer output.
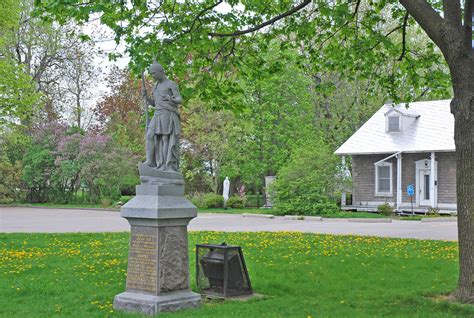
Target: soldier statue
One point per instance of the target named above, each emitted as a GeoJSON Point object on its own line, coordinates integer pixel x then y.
{"type": "Point", "coordinates": [162, 132]}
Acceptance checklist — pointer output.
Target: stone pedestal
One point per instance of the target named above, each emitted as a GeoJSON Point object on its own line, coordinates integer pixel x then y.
{"type": "Point", "coordinates": [158, 263]}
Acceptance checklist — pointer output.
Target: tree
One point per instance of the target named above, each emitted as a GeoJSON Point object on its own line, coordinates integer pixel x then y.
{"type": "Point", "coordinates": [56, 64]}
{"type": "Point", "coordinates": [105, 168]}
{"type": "Point", "coordinates": [39, 160]}
{"type": "Point", "coordinates": [120, 112]}
{"type": "Point", "coordinates": [79, 76]}
{"type": "Point", "coordinates": [10, 181]}
{"type": "Point", "coordinates": [306, 184]}
{"type": "Point", "coordinates": [207, 47]}
{"type": "Point", "coordinates": [205, 142]}
{"type": "Point", "coordinates": [453, 35]}
{"type": "Point", "coordinates": [17, 94]}
{"type": "Point", "coordinates": [62, 160]}
{"type": "Point", "coordinates": [278, 115]}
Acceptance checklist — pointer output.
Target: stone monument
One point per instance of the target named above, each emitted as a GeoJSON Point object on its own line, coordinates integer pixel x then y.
{"type": "Point", "coordinates": [158, 262]}
{"type": "Point", "coordinates": [268, 194]}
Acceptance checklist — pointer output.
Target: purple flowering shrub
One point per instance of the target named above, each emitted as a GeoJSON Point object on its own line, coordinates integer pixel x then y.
{"type": "Point", "coordinates": [61, 162]}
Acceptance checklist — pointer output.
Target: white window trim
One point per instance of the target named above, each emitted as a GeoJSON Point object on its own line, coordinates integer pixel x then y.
{"type": "Point", "coordinates": [383, 194]}
{"type": "Point", "coordinates": [399, 123]}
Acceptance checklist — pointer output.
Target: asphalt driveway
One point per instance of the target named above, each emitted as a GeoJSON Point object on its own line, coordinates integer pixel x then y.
{"type": "Point", "coordinates": [26, 219]}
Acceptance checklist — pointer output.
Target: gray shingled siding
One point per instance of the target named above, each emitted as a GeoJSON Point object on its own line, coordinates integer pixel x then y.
{"type": "Point", "coordinates": [409, 171]}
{"type": "Point", "coordinates": [363, 174]}
{"type": "Point", "coordinates": [363, 179]}
{"type": "Point", "coordinates": [446, 177]}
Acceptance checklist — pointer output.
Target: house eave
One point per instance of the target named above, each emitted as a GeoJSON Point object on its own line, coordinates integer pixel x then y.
{"type": "Point", "coordinates": [412, 115]}
{"type": "Point", "coordinates": [391, 152]}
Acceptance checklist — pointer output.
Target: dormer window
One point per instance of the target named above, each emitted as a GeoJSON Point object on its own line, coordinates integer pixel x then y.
{"type": "Point", "coordinates": [394, 123]}
{"type": "Point", "coordinates": [394, 118]}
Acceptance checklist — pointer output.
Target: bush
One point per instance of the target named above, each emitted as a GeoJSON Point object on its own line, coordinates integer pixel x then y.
{"type": "Point", "coordinates": [306, 185]}
{"type": "Point", "coordinates": [385, 209]}
{"type": "Point", "coordinates": [311, 204]}
{"type": "Point", "coordinates": [123, 199]}
{"type": "Point", "coordinates": [213, 200]}
{"type": "Point", "coordinates": [236, 202]}
{"type": "Point", "coordinates": [208, 200]}
{"type": "Point", "coordinates": [10, 181]}
{"type": "Point", "coordinates": [433, 211]}
{"type": "Point", "coordinates": [105, 202]}
{"type": "Point", "coordinates": [198, 201]}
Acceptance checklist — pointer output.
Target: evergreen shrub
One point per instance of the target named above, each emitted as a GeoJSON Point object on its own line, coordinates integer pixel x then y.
{"type": "Point", "coordinates": [385, 209]}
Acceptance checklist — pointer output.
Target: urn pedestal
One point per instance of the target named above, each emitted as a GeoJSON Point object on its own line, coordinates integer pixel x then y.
{"type": "Point", "coordinates": [158, 262]}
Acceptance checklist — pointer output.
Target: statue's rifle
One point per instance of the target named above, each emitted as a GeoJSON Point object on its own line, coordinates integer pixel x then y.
{"type": "Point", "coordinates": [147, 120]}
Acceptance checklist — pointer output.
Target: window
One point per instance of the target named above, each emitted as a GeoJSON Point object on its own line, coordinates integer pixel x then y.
{"type": "Point", "coordinates": [383, 179]}
{"type": "Point", "coordinates": [427, 187]}
{"type": "Point", "coordinates": [393, 123]}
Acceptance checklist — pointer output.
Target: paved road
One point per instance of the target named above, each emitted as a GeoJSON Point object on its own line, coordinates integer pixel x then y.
{"type": "Point", "coordinates": [23, 219]}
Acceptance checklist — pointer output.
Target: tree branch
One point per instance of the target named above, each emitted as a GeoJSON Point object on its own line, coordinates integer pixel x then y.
{"type": "Point", "coordinates": [452, 12]}
{"type": "Point", "coordinates": [264, 24]}
{"type": "Point", "coordinates": [199, 15]}
{"type": "Point", "coordinates": [356, 10]}
{"type": "Point", "coordinates": [386, 35]}
{"type": "Point", "coordinates": [427, 18]}
{"type": "Point", "coordinates": [426, 90]}
{"type": "Point", "coordinates": [232, 50]}
{"type": "Point", "coordinates": [404, 35]}
{"type": "Point", "coordinates": [221, 50]}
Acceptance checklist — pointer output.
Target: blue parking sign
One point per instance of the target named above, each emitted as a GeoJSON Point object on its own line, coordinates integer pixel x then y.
{"type": "Point", "coordinates": [410, 190]}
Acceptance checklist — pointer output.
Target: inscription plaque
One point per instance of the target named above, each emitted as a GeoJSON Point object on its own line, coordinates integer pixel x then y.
{"type": "Point", "coordinates": [143, 260]}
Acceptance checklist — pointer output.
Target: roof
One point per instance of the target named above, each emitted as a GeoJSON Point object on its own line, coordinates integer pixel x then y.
{"type": "Point", "coordinates": [403, 110]}
{"type": "Point", "coordinates": [432, 130]}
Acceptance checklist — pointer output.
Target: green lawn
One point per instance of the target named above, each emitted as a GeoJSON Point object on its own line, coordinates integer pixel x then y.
{"type": "Point", "coordinates": [301, 275]}
{"type": "Point", "coordinates": [341, 214]}
{"type": "Point", "coordinates": [236, 211]}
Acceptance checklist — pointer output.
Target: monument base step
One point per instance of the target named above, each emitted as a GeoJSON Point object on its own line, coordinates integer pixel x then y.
{"type": "Point", "coordinates": [152, 305]}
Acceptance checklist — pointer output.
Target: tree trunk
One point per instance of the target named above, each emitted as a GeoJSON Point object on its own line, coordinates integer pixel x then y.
{"type": "Point", "coordinates": [462, 107]}
{"type": "Point", "coordinates": [453, 39]}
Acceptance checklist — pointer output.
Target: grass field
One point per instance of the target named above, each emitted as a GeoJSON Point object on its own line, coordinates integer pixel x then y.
{"type": "Point", "coordinates": [301, 275]}
{"type": "Point", "coordinates": [341, 214]}
{"type": "Point", "coordinates": [58, 205]}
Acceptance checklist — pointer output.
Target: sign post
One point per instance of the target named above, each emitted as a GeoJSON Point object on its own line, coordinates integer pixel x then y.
{"type": "Point", "coordinates": [411, 192]}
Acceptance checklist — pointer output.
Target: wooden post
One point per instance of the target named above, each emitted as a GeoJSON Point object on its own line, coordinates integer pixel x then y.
{"type": "Point", "coordinates": [343, 194]}
{"type": "Point", "coordinates": [432, 181]}
{"type": "Point", "coordinates": [399, 182]}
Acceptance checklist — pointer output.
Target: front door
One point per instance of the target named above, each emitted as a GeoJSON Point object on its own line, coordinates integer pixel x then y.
{"type": "Point", "coordinates": [424, 189]}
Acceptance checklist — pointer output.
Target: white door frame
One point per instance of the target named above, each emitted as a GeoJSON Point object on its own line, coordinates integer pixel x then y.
{"type": "Point", "coordinates": [424, 166]}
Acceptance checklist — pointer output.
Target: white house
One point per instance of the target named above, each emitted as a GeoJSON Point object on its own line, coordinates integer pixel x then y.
{"type": "Point", "coordinates": [400, 146]}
